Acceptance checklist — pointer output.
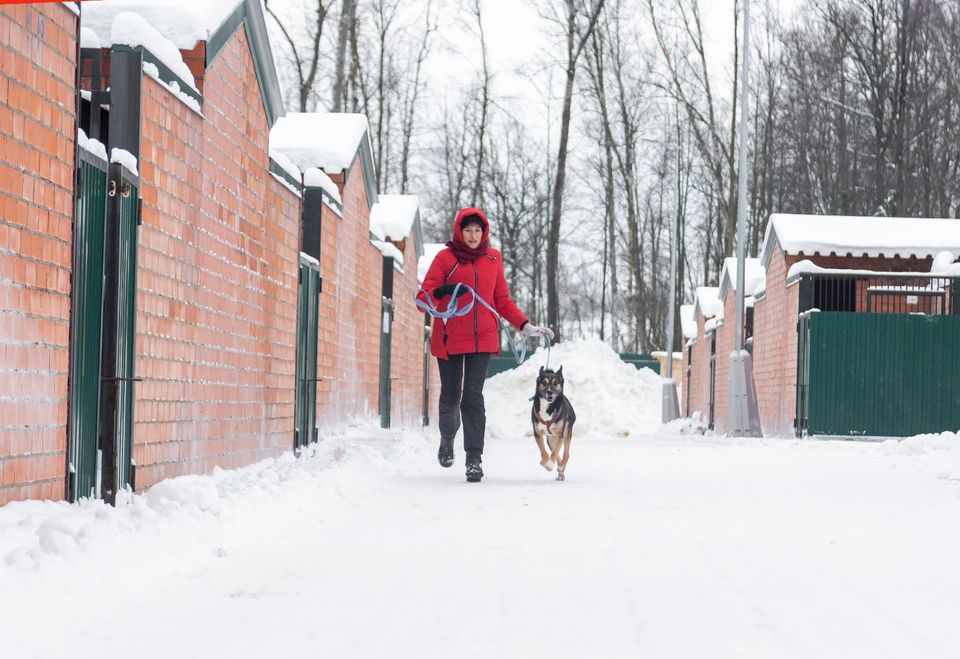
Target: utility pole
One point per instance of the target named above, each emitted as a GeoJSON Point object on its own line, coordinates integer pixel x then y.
{"type": "Point", "coordinates": [670, 405]}
{"type": "Point", "coordinates": [743, 417]}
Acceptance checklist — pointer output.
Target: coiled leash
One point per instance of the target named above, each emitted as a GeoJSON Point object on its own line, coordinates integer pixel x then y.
{"type": "Point", "coordinates": [454, 310]}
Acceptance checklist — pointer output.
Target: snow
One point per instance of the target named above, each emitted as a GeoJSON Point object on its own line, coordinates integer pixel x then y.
{"type": "Point", "coordinates": [942, 268]}
{"type": "Point", "coordinates": [91, 145]}
{"type": "Point", "coordinates": [132, 30]}
{"type": "Point", "coordinates": [430, 251]}
{"type": "Point", "coordinates": [183, 22]}
{"type": "Point", "coordinates": [319, 139]}
{"type": "Point", "coordinates": [389, 249]}
{"type": "Point", "coordinates": [754, 275]}
{"type": "Point", "coordinates": [944, 263]}
{"type": "Point", "coordinates": [173, 87]}
{"type": "Point", "coordinates": [707, 302]}
{"type": "Point", "coordinates": [688, 322]}
{"type": "Point", "coordinates": [89, 38]}
{"type": "Point", "coordinates": [126, 159]}
{"type": "Point", "coordinates": [662, 544]}
{"type": "Point", "coordinates": [394, 215]}
{"type": "Point", "coordinates": [285, 164]}
{"type": "Point", "coordinates": [861, 236]}
{"type": "Point", "coordinates": [317, 178]}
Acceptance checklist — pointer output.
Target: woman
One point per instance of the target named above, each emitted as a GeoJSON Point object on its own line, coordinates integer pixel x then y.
{"type": "Point", "coordinates": [463, 345]}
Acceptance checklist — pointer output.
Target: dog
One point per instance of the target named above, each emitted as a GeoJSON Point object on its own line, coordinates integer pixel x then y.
{"type": "Point", "coordinates": [553, 418]}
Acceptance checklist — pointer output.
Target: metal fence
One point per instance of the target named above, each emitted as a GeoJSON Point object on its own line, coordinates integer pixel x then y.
{"type": "Point", "coordinates": [897, 293]}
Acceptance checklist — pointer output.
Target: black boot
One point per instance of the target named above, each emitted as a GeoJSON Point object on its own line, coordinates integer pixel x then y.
{"type": "Point", "coordinates": [445, 454]}
{"type": "Point", "coordinates": [474, 468]}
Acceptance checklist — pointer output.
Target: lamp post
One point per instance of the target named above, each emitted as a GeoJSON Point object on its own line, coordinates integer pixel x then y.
{"type": "Point", "coordinates": [670, 405]}
{"type": "Point", "coordinates": [743, 418]}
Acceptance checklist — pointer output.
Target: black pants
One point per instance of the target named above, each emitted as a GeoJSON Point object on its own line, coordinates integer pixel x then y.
{"type": "Point", "coordinates": [461, 394]}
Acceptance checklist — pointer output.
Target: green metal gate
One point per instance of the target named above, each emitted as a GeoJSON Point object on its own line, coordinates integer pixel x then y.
{"type": "Point", "coordinates": [85, 329]}
{"type": "Point", "coordinates": [887, 375]}
{"type": "Point", "coordinates": [308, 318]}
{"type": "Point", "coordinates": [117, 348]}
{"type": "Point", "coordinates": [386, 355]}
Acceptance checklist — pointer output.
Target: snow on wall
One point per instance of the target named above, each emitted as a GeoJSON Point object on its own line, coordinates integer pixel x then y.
{"type": "Point", "coordinates": [707, 303]}
{"type": "Point", "coordinates": [395, 214]}
{"type": "Point", "coordinates": [91, 145]}
{"type": "Point", "coordinates": [126, 159]}
{"type": "Point", "coordinates": [861, 236]}
{"type": "Point", "coordinates": [317, 178]}
{"type": "Point", "coordinates": [326, 140]}
{"type": "Point", "coordinates": [688, 323]}
{"type": "Point", "coordinates": [183, 22]}
{"type": "Point", "coordinates": [754, 276]}
{"type": "Point", "coordinates": [133, 30]}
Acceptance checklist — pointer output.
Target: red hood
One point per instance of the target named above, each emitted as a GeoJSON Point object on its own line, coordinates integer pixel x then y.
{"type": "Point", "coordinates": [464, 212]}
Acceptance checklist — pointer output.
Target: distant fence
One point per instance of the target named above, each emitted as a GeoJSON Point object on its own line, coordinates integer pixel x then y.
{"type": "Point", "coordinates": [501, 363]}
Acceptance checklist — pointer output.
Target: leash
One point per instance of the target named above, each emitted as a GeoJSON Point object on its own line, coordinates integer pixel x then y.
{"type": "Point", "coordinates": [454, 310]}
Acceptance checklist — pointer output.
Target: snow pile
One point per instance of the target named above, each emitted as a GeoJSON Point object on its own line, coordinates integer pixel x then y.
{"type": "Point", "coordinates": [394, 215]}
{"type": "Point", "coordinates": [389, 250]}
{"type": "Point", "coordinates": [688, 322]}
{"type": "Point", "coordinates": [944, 263]}
{"type": "Point", "coordinates": [317, 178]}
{"type": "Point", "coordinates": [132, 30]}
{"type": "Point", "coordinates": [91, 145]}
{"type": "Point", "coordinates": [755, 277]}
{"type": "Point", "coordinates": [611, 398]}
{"type": "Point", "coordinates": [326, 140]}
{"type": "Point", "coordinates": [708, 302]}
{"type": "Point", "coordinates": [125, 159]}
{"type": "Point", "coordinates": [183, 22]}
{"type": "Point", "coordinates": [89, 38]}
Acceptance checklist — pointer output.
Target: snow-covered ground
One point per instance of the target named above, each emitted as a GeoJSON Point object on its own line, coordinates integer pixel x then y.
{"type": "Point", "coordinates": [658, 545]}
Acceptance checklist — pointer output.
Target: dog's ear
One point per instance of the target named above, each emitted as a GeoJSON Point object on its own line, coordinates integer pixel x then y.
{"type": "Point", "coordinates": [560, 371]}
{"type": "Point", "coordinates": [541, 372]}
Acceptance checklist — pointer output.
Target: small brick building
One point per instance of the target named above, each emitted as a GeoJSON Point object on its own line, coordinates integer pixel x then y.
{"type": "Point", "coordinates": [699, 352]}
{"type": "Point", "coordinates": [849, 244]}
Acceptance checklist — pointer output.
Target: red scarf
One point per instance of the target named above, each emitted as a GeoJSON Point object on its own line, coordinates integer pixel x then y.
{"type": "Point", "coordinates": [464, 252]}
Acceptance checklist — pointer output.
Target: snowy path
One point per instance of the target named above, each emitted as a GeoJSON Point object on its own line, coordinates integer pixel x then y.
{"type": "Point", "coordinates": [662, 546]}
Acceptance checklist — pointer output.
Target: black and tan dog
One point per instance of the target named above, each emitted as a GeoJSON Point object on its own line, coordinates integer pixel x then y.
{"type": "Point", "coordinates": [553, 419]}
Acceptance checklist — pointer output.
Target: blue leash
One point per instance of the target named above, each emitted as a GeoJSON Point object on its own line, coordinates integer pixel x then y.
{"type": "Point", "coordinates": [454, 310]}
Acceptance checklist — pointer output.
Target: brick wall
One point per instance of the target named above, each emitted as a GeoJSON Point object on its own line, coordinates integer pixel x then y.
{"type": "Point", "coordinates": [725, 340]}
{"type": "Point", "coordinates": [37, 142]}
{"type": "Point", "coordinates": [350, 308]}
{"type": "Point", "coordinates": [217, 281]}
{"type": "Point", "coordinates": [407, 344]}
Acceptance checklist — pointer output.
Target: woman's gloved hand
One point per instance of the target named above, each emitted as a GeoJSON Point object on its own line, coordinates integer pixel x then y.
{"type": "Point", "coordinates": [447, 289]}
{"type": "Point", "coordinates": [530, 328]}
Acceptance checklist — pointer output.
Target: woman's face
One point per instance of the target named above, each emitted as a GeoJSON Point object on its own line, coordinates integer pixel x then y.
{"type": "Point", "coordinates": [472, 235]}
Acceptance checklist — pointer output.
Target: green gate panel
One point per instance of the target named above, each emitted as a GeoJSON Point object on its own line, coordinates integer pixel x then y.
{"type": "Point", "coordinates": [87, 300]}
{"type": "Point", "coordinates": [308, 321]}
{"type": "Point", "coordinates": [126, 331]}
{"type": "Point", "coordinates": [887, 375]}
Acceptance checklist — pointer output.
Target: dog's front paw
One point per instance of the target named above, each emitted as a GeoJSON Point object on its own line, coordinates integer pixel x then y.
{"type": "Point", "coordinates": [560, 475]}
{"type": "Point", "coordinates": [548, 465]}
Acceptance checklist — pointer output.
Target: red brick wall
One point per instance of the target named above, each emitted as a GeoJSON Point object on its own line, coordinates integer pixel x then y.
{"type": "Point", "coordinates": [350, 309]}
{"type": "Point", "coordinates": [725, 340]}
{"type": "Point", "coordinates": [217, 281]}
{"type": "Point", "coordinates": [775, 348]}
{"type": "Point", "coordinates": [407, 345]}
{"type": "Point", "coordinates": [37, 161]}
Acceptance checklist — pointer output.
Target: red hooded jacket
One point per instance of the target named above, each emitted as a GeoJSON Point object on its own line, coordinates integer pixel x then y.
{"type": "Point", "coordinates": [476, 331]}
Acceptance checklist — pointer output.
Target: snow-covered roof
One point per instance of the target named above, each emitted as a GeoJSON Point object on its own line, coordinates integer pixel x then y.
{"type": "Point", "coordinates": [430, 251]}
{"type": "Point", "coordinates": [707, 302]}
{"type": "Point", "coordinates": [860, 236]}
{"type": "Point", "coordinates": [753, 275]}
{"type": "Point", "coordinates": [327, 140]}
{"type": "Point", "coordinates": [389, 249]}
{"type": "Point", "coordinates": [130, 29]}
{"type": "Point", "coordinates": [688, 322]}
{"type": "Point", "coordinates": [395, 214]}
{"type": "Point", "coordinates": [183, 22]}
